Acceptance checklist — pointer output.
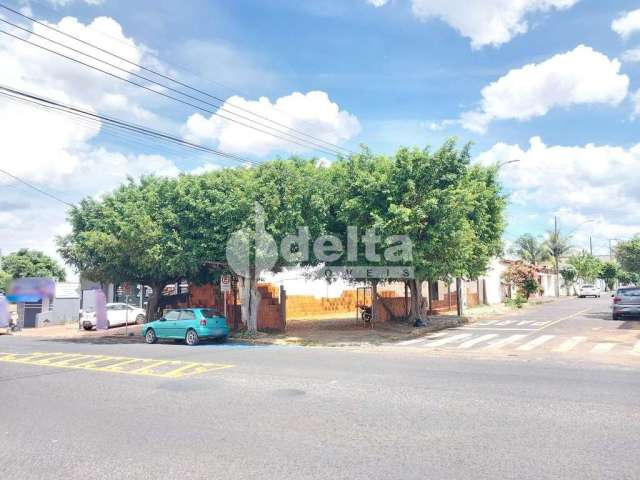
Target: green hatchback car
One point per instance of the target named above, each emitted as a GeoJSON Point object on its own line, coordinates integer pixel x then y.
{"type": "Point", "coordinates": [188, 324]}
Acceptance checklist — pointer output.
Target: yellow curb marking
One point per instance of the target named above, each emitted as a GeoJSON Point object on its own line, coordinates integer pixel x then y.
{"type": "Point", "coordinates": [141, 366]}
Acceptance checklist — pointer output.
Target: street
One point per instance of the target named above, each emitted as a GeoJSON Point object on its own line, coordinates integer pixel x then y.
{"type": "Point", "coordinates": [86, 409]}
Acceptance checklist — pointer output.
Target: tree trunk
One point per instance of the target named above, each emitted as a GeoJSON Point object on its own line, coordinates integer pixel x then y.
{"type": "Point", "coordinates": [416, 301]}
{"type": "Point", "coordinates": [250, 300]}
{"type": "Point", "coordinates": [374, 302]}
{"type": "Point", "coordinates": [459, 299]}
{"type": "Point", "coordinates": [154, 301]}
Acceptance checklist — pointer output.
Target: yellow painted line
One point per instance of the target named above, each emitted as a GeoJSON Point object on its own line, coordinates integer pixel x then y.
{"type": "Point", "coordinates": [60, 360]}
{"type": "Point", "coordinates": [141, 366]}
{"type": "Point", "coordinates": [180, 371]}
{"type": "Point", "coordinates": [148, 369]}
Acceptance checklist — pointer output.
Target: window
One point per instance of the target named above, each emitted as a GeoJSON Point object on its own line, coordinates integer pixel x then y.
{"type": "Point", "coordinates": [631, 292]}
{"type": "Point", "coordinates": [188, 315]}
{"type": "Point", "coordinates": [210, 313]}
{"type": "Point", "coordinates": [172, 315]}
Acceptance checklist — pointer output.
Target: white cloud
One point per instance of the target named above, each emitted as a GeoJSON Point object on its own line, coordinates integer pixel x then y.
{"type": "Point", "coordinates": [484, 22]}
{"type": "Point", "coordinates": [312, 113]}
{"type": "Point", "coordinates": [627, 24]}
{"type": "Point", "coordinates": [57, 152]}
{"type": "Point", "coordinates": [377, 3]}
{"type": "Point", "coordinates": [439, 126]}
{"type": "Point", "coordinates": [204, 168]}
{"type": "Point", "coordinates": [581, 76]}
{"type": "Point", "coordinates": [636, 103]}
{"type": "Point", "coordinates": [631, 56]}
{"type": "Point", "coordinates": [590, 182]}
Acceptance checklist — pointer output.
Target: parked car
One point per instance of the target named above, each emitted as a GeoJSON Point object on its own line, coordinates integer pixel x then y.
{"type": "Point", "coordinates": [188, 324]}
{"type": "Point", "coordinates": [118, 314]}
{"type": "Point", "coordinates": [588, 291]}
{"type": "Point", "coordinates": [626, 303]}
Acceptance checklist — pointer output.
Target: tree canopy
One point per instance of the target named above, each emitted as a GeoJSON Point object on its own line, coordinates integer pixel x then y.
{"type": "Point", "coordinates": [530, 249]}
{"type": "Point", "coordinates": [31, 263]}
{"type": "Point", "coordinates": [588, 267]}
{"type": "Point", "coordinates": [157, 230]}
{"type": "Point", "coordinates": [628, 255]}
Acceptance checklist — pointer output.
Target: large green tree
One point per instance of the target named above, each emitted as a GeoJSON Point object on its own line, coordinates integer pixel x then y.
{"type": "Point", "coordinates": [609, 273]}
{"type": "Point", "coordinates": [628, 254]}
{"type": "Point", "coordinates": [452, 212]}
{"type": "Point", "coordinates": [588, 267]}
{"type": "Point", "coordinates": [159, 230]}
{"type": "Point", "coordinates": [32, 263]}
{"type": "Point", "coordinates": [131, 235]}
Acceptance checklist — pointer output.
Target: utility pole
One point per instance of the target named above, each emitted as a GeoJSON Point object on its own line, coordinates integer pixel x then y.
{"type": "Point", "coordinates": [590, 245]}
{"type": "Point", "coordinates": [555, 256]}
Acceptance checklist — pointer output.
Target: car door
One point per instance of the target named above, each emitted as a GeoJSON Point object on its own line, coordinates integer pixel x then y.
{"type": "Point", "coordinates": [167, 325]}
{"type": "Point", "coordinates": [113, 312]}
{"type": "Point", "coordinates": [187, 320]}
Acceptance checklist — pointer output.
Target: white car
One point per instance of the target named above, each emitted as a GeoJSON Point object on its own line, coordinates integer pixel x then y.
{"type": "Point", "coordinates": [118, 314]}
{"type": "Point", "coordinates": [588, 291]}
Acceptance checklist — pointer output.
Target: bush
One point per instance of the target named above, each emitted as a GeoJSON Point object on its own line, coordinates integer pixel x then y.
{"type": "Point", "coordinates": [517, 302]}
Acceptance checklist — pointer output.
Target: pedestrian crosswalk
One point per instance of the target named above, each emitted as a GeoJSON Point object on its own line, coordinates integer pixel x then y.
{"type": "Point", "coordinates": [488, 342]}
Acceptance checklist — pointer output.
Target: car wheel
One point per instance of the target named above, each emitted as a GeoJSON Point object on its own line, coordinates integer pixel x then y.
{"type": "Point", "coordinates": [150, 336]}
{"type": "Point", "coordinates": [140, 319]}
{"type": "Point", "coordinates": [88, 327]}
{"type": "Point", "coordinates": [192, 338]}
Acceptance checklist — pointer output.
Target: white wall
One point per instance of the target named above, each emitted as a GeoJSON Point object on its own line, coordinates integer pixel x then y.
{"type": "Point", "coordinates": [493, 281]}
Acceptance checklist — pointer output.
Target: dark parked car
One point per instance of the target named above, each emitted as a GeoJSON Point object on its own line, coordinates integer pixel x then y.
{"type": "Point", "coordinates": [626, 303]}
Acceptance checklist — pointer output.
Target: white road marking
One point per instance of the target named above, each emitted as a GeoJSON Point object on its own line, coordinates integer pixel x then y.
{"type": "Point", "coordinates": [536, 342]}
{"type": "Point", "coordinates": [603, 347]}
{"type": "Point", "coordinates": [504, 341]}
{"type": "Point", "coordinates": [444, 341]}
{"type": "Point", "coordinates": [570, 344]}
{"type": "Point", "coordinates": [422, 339]}
{"type": "Point", "coordinates": [636, 349]}
{"type": "Point", "coordinates": [474, 341]}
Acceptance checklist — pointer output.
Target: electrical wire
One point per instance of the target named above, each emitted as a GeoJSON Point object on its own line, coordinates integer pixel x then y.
{"type": "Point", "coordinates": [158, 92]}
{"type": "Point", "coordinates": [132, 127]}
{"type": "Point", "coordinates": [222, 101]}
{"type": "Point", "coordinates": [33, 187]}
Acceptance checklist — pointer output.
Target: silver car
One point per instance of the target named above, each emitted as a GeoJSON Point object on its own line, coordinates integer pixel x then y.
{"type": "Point", "coordinates": [626, 303]}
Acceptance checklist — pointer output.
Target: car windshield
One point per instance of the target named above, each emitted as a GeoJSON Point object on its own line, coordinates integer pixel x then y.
{"type": "Point", "coordinates": [587, 286]}
{"type": "Point", "coordinates": [210, 313]}
{"type": "Point", "coordinates": [631, 292]}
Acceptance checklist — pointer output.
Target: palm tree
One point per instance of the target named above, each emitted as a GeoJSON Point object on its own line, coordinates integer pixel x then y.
{"type": "Point", "coordinates": [529, 249]}
{"type": "Point", "coordinates": [557, 245]}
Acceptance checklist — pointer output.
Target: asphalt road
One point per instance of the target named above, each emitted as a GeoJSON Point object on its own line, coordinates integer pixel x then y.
{"type": "Point", "coordinates": [571, 328]}
{"type": "Point", "coordinates": [232, 411]}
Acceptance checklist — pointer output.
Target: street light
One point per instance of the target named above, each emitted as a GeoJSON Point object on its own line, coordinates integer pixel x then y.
{"type": "Point", "coordinates": [508, 162]}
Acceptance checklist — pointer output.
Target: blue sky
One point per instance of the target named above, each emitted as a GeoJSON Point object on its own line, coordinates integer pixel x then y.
{"type": "Point", "coordinates": [391, 73]}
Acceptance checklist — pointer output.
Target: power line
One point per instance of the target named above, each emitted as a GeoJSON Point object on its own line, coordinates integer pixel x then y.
{"type": "Point", "coordinates": [121, 124]}
{"type": "Point", "coordinates": [89, 123]}
{"type": "Point", "coordinates": [33, 187]}
{"type": "Point", "coordinates": [220, 107]}
{"type": "Point", "coordinates": [161, 93]}
{"type": "Point", "coordinates": [218, 99]}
